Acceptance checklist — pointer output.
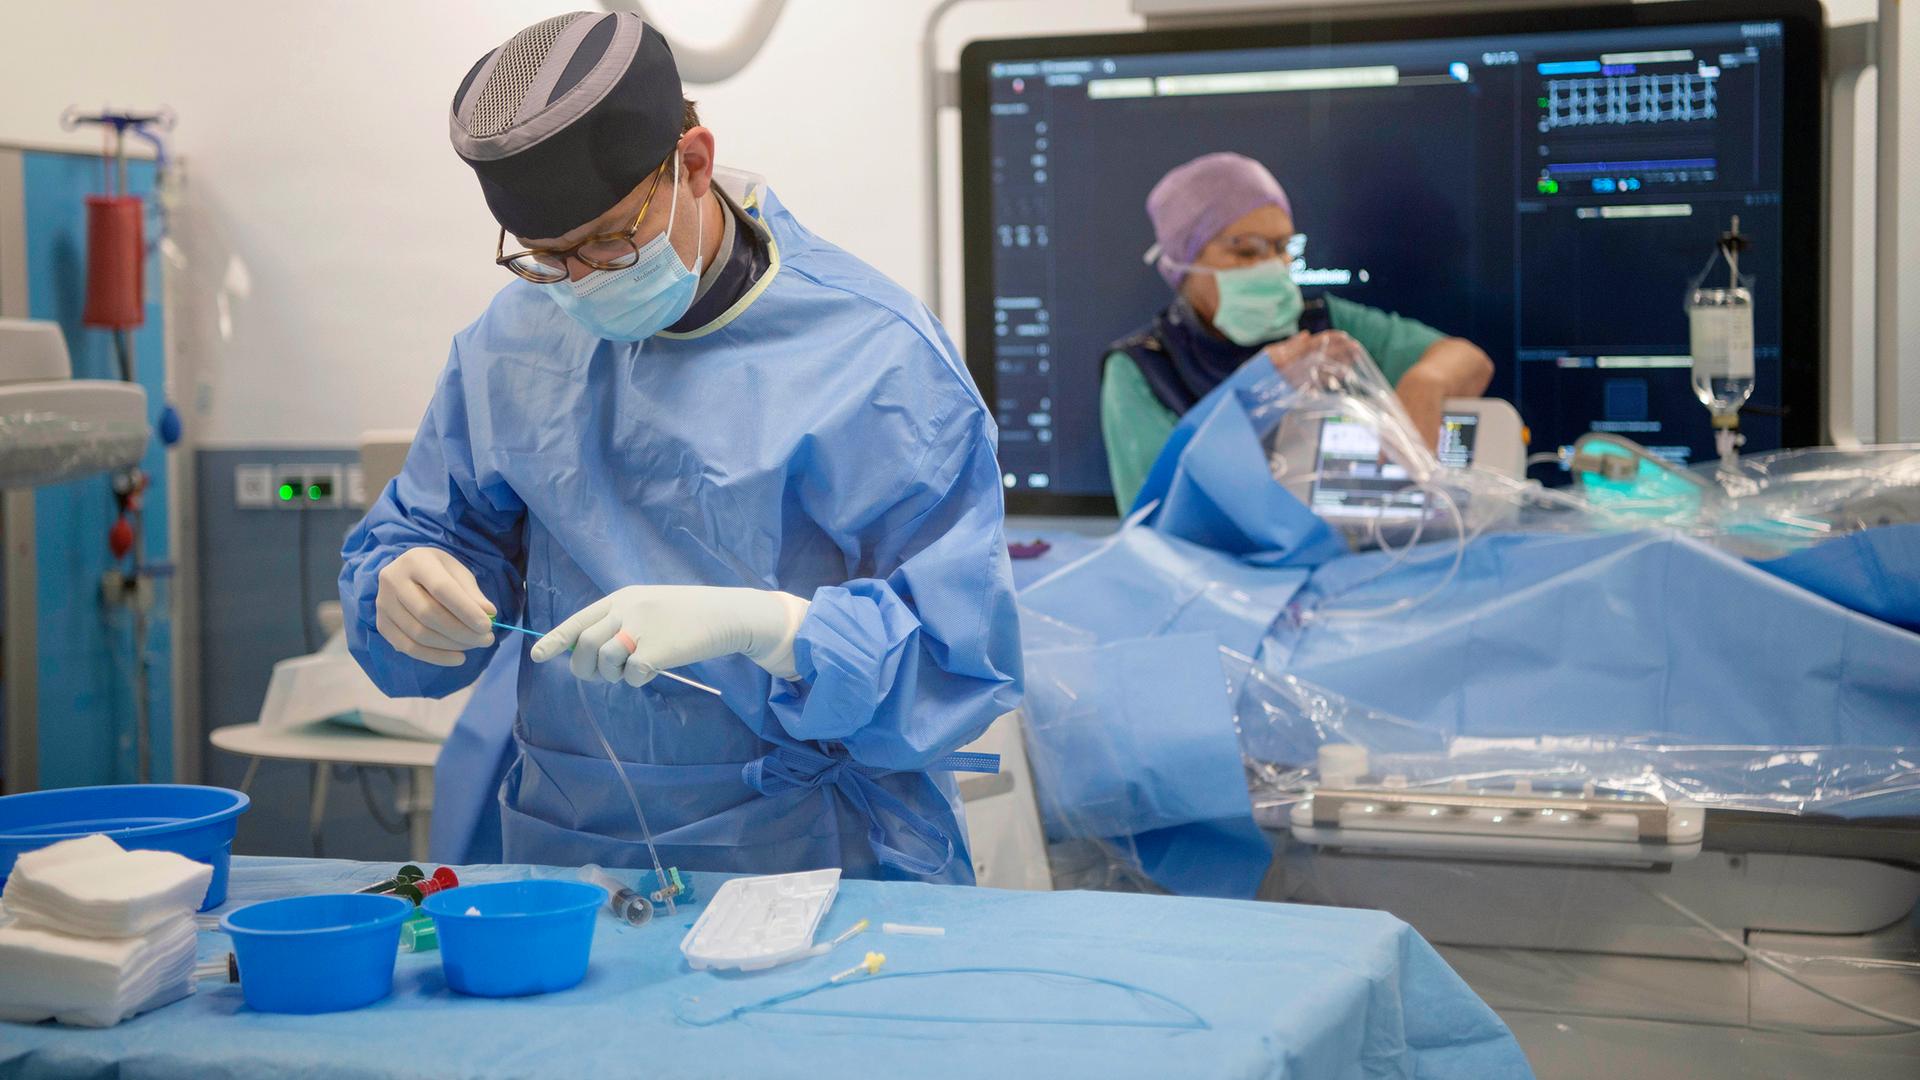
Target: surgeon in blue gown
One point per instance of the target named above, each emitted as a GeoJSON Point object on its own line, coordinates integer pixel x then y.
{"type": "Point", "coordinates": [689, 435]}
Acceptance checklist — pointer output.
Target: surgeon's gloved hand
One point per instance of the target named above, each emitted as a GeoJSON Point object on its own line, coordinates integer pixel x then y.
{"type": "Point", "coordinates": [430, 607]}
{"type": "Point", "coordinates": [641, 630]}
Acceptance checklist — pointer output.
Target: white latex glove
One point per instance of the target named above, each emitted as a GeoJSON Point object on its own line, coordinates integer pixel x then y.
{"type": "Point", "coordinates": [637, 632]}
{"type": "Point", "coordinates": [430, 608]}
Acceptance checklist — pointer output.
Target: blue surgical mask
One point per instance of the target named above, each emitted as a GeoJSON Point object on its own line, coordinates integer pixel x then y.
{"type": "Point", "coordinates": [643, 299]}
{"type": "Point", "coordinates": [1258, 303]}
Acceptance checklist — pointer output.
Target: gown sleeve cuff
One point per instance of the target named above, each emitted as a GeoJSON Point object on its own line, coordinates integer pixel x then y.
{"type": "Point", "coordinates": [847, 653]}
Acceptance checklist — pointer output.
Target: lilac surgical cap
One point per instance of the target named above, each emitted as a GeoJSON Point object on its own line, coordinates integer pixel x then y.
{"type": "Point", "coordinates": [1191, 204]}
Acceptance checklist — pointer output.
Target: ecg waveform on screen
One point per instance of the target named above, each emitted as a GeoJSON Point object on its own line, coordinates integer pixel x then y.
{"type": "Point", "coordinates": [1630, 99]}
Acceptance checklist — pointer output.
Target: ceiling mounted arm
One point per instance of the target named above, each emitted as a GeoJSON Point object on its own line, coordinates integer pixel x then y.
{"type": "Point", "coordinates": [720, 62]}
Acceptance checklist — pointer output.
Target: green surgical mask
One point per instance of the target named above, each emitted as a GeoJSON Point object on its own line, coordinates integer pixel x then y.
{"type": "Point", "coordinates": [1258, 303]}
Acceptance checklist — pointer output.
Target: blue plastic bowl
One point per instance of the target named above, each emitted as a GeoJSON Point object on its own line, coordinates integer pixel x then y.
{"type": "Point", "coordinates": [317, 954]}
{"type": "Point", "coordinates": [530, 937]}
{"type": "Point", "coordinates": [195, 821]}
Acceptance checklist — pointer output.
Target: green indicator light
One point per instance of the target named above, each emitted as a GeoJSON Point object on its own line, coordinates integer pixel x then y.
{"type": "Point", "coordinates": [286, 492]}
{"type": "Point", "coordinates": [1543, 102]}
{"type": "Point", "coordinates": [313, 492]}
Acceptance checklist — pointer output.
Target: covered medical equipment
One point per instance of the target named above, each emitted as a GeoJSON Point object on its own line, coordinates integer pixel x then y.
{"type": "Point", "coordinates": [1505, 700]}
{"type": "Point", "coordinates": [869, 486]}
{"type": "Point", "coordinates": [328, 686]}
{"type": "Point", "coordinates": [1761, 506]}
{"type": "Point", "coordinates": [55, 427]}
{"type": "Point", "coordinates": [1542, 631]}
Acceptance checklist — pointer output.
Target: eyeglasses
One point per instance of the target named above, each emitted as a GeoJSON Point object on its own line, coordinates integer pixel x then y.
{"type": "Point", "coordinates": [612, 251]}
{"type": "Point", "coordinates": [1250, 249]}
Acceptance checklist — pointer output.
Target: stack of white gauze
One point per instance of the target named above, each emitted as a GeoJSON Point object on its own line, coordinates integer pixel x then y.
{"type": "Point", "coordinates": [98, 933]}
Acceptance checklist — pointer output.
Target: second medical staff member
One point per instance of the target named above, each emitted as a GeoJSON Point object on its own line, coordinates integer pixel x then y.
{"type": "Point", "coordinates": [691, 435]}
{"type": "Point", "coordinates": [1221, 225]}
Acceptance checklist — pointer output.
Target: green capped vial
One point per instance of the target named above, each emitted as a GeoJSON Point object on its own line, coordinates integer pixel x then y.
{"type": "Point", "coordinates": [419, 933]}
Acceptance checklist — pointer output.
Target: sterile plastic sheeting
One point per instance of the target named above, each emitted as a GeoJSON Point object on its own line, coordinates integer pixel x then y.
{"type": "Point", "coordinates": [1555, 659]}
{"type": "Point", "coordinates": [1199, 485]}
{"type": "Point", "coordinates": [1609, 636]}
{"type": "Point", "coordinates": [1283, 721]}
{"type": "Point", "coordinates": [1871, 572]}
{"type": "Point", "coordinates": [48, 447]}
{"type": "Point", "coordinates": [1040, 632]}
{"type": "Point", "coordinates": [1785, 500]}
{"type": "Point", "coordinates": [1515, 631]}
{"type": "Point", "coordinates": [1770, 504]}
{"type": "Point", "coordinates": [1142, 582]}
{"type": "Point", "coordinates": [1206, 487]}
{"type": "Point", "coordinates": [1766, 506]}
{"type": "Point", "coordinates": [1131, 746]}
{"type": "Point", "coordinates": [1208, 501]}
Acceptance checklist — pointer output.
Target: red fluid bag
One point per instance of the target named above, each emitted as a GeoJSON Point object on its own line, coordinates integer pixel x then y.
{"type": "Point", "coordinates": [116, 257]}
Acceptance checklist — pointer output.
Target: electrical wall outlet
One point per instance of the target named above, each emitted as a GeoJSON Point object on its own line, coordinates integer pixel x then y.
{"type": "Point", "coordinates": [318, 485]}
{"type": "Point", "coordinates": [310, 486]}
{"type": "Point", "coordinates": [253, 487]}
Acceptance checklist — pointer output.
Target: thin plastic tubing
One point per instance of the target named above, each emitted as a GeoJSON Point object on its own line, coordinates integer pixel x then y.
{"type": "Point", "coordinates": [1401, 557]}
{"type": "Point", "coordinates": [1778, 968]}
{"type": "Point", "coordinates": [1197, 1023]}
{"type": "Point", "coordinates": [639, 815]}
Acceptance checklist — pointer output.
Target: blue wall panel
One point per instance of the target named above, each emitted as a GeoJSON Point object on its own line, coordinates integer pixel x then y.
{"type": "Point", "coordinates": [250, 617]}
{"type": "Point", "coordinates": [86, 661]}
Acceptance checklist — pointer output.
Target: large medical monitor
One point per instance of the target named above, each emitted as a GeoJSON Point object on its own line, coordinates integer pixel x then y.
{"type": "Point", "coordinates": [1545, 184]}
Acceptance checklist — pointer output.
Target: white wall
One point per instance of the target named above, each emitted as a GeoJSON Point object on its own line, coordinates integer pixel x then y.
{"type": "Point", "coordinates": [1908, 409]}
{"type": "Point", "coordinates": [316, 141]}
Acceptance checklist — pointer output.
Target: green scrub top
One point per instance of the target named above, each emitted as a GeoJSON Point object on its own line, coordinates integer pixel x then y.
{"type": "Point", "coordinates": [1135, 425]}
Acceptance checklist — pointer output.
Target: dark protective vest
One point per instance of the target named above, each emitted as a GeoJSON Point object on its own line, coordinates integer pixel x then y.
{"type": "Point", "coordinates": [1183, 360]}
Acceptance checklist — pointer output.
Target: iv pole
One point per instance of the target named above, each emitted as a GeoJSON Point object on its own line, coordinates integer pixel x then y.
{"type": "Point", "coordinates": [131, 588]}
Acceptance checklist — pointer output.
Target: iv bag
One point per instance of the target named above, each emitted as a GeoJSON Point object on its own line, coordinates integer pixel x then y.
{"type": "Point", "coordinates": [1721, 321]}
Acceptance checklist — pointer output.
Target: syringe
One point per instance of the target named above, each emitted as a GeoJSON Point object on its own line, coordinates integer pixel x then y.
{"type": "Point", "coordinates": [228, 969]}
{"type": "Point", "coordinates": [626, 903]}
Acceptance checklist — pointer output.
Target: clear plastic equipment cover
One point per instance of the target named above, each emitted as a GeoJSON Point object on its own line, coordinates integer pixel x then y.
{"type": "Point", "coordinates": [1762, 506]}
{"type": "Point", "coordinates": [1585, 639]}
{"type": "Point", "coordinates": [45, 447]}
{"type": "Point", "coordinates": [1283, 722]}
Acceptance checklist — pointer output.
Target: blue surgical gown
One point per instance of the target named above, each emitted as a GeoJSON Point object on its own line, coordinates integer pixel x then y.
{"type": "Point", "coordinates": [822, 438]}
